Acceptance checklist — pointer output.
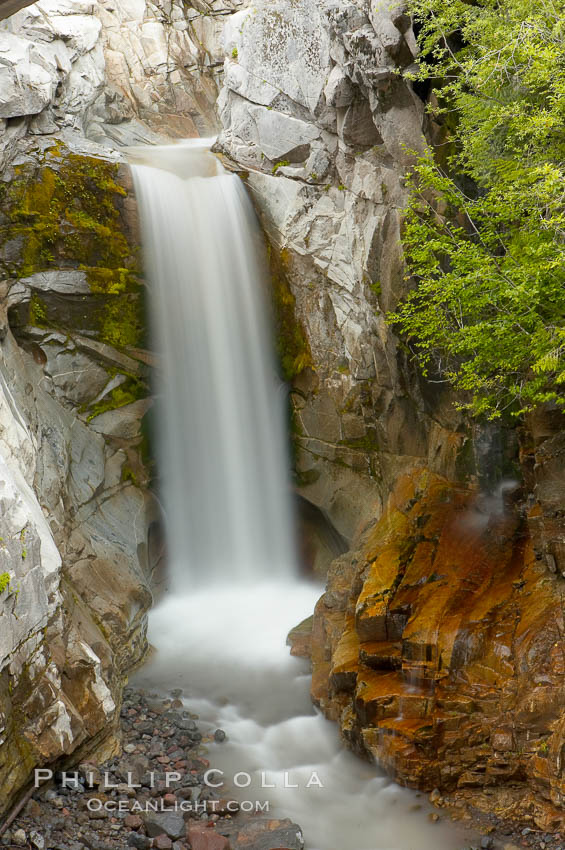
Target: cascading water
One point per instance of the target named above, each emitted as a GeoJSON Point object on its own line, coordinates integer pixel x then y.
{"type": "Point", "coordinates": [222, 438]}
{"type": "Point", "coordinates": [220, 635]}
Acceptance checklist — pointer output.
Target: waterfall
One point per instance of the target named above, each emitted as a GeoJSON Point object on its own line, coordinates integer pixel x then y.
{"type": "Point", "coordinates": [226, 493]}
{"type": "Point", "coordinates": [222, 441]}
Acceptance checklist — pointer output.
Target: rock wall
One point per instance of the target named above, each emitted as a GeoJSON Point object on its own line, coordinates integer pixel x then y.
{"type": "Point", "coordinates": [75, 568]}
{"type": "Point", "coordinates": [116, 72]}
{"type": "Point", "coordinates": [438, 645]}
{"type": "Point", "coordinates": [314, 107]}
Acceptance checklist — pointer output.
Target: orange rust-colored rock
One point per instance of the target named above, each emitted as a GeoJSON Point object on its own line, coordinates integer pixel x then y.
{"type": "Point", "coordinates": [439, 648]}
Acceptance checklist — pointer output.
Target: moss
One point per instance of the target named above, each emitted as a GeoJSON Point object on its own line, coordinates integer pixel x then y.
{"type": "Point", "coordinates": [292, 345]}
{"type": "Point", "coordinates": [64, 213]}
{"type": "Point", "coordinates": [234, 53]}
{"type": "Point", "coordinates": [281, 164]}
{"type": "Point", "coordinates": [367, 443]}
{"type": "Point", "coordinates": [111, 281]}
{"type": "Point", "coordinates": [121, 322]}
{"type": "Point", "coordinates": [131, 390]}
{"type": "Point", "coordinates": [129, 475]}
{"type": "Point", "coordinates": [4, 581]}
{"type": "Point", "coordinates": [68, 213]}
{"type": "Point", "coordinates": [37, 315]}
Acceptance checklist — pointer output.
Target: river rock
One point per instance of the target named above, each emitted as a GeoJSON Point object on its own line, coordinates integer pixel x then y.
{"type": "Point", "coordinates": [140, 842]}
{"type": "Point", "coordinates": [205, 838]}
{"type": "Point", "coordinates": [268, 834]}
{"type": "Point", "coordinates": [164, 822]}
{"type": "Point", "coordinates": [37, 839]}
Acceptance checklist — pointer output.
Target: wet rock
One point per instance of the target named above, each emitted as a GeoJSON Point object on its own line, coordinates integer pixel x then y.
{"type": "Point", "coordinates": [404, 601]}
{"type": "Point", "coordinates": [205, 838]}
{"type": "Point", "coordinates": [140, 842]}
{"type": "Point", "coordinates": [267, 834]}
{"type": "Point", "coordinates": [164, 822]}
{"type": "Point", "coordinates": [219, 736]}
{"type": "Point", "coordinates": [300, 639]}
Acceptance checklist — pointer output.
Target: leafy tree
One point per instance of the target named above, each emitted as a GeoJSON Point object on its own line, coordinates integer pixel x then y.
{"type": "Point", "coordinates": [485, 227]}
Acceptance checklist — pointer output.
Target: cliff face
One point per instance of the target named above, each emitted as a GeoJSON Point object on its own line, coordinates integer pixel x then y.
{"type": "Point", "coordinates": [438, 644]}
{"type": "Point", "coordinates": [438, 648]}
{"type": "Point", "coordinates": [313, 107]}
{"type": "Point", "coordinates": [115, 72]}
{"type": "Point", "coordinates": [76, 568]}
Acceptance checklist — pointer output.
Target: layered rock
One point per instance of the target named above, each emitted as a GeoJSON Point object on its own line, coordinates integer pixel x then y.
{"type": "Point", "coordinates": [438, 647]}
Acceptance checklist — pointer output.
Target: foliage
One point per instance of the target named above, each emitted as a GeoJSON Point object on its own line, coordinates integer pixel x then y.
{"type": "Point", "coordinates": [4, 581]}
{"type": "Point", "coordinates": [65, 211]}
{"type": "Point", "coordinates": [484, 230]}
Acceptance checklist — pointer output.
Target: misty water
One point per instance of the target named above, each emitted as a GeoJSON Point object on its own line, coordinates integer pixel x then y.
{"type": "Point", "coordinates": [219, 631]}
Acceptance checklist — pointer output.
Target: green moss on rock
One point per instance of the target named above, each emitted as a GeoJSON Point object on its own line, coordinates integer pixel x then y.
{"type": "Point", "coordinates": [37, 314]}
{"type": "Point", "coordinates": [367, 443]}
{"type": "Point", "coordinates": [292, 345]}
{"type": "Point", "coordinates": [66, 213]}
{"type": "Point", "coordinates": [121, 321]}
{"type": "Point", "coordinates": [131, 390]}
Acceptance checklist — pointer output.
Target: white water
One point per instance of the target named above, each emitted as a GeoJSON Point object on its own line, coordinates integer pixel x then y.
{"type": "Point", "coordinates": [222, 446]}
{"type": "Point", "coordinates": [221, 634]}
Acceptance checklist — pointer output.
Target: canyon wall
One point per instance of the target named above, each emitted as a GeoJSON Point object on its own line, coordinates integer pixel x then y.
{"type": "Point", "coordinates": [314, 107]}
{"type": "Point", "coordinates": [438, 644]}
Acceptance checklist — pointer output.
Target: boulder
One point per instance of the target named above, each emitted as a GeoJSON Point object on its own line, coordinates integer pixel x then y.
{"type": "Point", "coordinates": [201, 837]}
{"type": "Point", "coordinates": [168, 823]}
{"type": "Point", "coordinates": [26, 87]}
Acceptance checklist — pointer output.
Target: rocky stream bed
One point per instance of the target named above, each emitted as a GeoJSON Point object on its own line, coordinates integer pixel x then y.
{"type": "Point", "coordinates": [158, 794]}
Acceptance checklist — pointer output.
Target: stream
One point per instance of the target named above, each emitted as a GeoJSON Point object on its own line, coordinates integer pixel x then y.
{"type": "Point", "coordinates": [225, 647]}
